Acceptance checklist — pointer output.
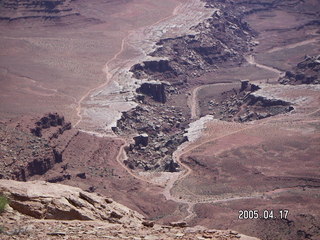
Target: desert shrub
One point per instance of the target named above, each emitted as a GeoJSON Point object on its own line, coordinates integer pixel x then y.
{"type": "Point", "coordinates": [3, 202]}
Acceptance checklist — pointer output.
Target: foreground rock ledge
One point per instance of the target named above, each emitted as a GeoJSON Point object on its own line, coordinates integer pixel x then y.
{"type": "Point", "coordinates": [44, 200]}
{"type": "Point", "coordinates": [94, 216]}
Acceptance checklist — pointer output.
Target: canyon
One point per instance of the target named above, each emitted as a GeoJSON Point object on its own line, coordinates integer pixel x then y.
{"type": "Point", "coordinates": [186, 112]}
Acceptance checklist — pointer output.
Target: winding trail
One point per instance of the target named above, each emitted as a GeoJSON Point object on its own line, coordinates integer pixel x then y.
{"type": "Point", "coordinates": [108, 80]}
{"type": "Point", "coordinates": [194, 108]}
{"type": "Point", "coordinates": [179, 153]}
{"type": "Point", "coordinates": [294, 45]}
{"type": "Point", "coordinates": [106, 69]}
{"type": "Point", "coordinates": [177, 156]}
{"type": "Point", "coordinates": [251, 60]}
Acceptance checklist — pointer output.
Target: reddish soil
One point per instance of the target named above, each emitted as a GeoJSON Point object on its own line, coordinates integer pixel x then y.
{"type": "Point", "coordinates": [268, 164]}
{"type": "Point", "coordinates": [48, 67]}
{"type": "Point", "coordinates": [92, 165]}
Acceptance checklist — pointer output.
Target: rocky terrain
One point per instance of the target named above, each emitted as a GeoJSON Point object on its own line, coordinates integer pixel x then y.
{"type": "Point", "coordinates": [47, 148]}
{"type": "Point", "coordinates": [219, 42]}
{"type": "Point", "coordinates": [306, 72]}
{"type": "Point", "coordinates": [31, 148]}
{"type": "Point", "coordinates": [15, 10]}
{"type": "Point", "coordinates": [40, 210]}
{"type": "Point", "coordinates": [242, 105]}
{"type": "Point", "coordinates": [223, 116]}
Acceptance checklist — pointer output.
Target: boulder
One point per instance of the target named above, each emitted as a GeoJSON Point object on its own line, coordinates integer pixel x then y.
{"type": "Point", "coordinates": [141, 139]}
{"type": "Point", "coordinates": [148, 224]}
{"type": "Point", "coordinates": [247, 86]}
{"type": "Point", "coordinates": [171, 166]}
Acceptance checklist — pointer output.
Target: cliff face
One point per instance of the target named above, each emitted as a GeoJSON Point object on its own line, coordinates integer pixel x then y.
{"type": "Point", "coordinates": [156, 90]}
{"type": "Point", "coordinates": [219, 41]}
{"type": "Point", "coordinates": [32, 147]}
{"type": "Point", "coordinates": [11, 10]}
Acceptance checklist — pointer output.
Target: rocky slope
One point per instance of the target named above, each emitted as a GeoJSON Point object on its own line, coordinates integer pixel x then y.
{"type": "Point", "coordinates": [163, 113]}
{"type": "Point", "coordinates": [44, 200]}
{"type": "Point", "coordinates": [306, 72]}
{"type": "Point", "coordinates": [94, 216]}
{"type": "Point", "coordinates": [31, 146]}
{"type": "Point", "coordinates": [243, 105]}
{"type": "Point", "coordinates": [47, 10]}
{"type": "Point", "coordinates": [219, 41]}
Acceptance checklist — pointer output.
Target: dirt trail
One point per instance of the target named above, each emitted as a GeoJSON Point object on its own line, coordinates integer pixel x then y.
{"type": "Point", "coordinates": [251, 60]}
{"type": "Point", "coordinates": [194, 108]}
{"type": "Point", "coordinates": [187, 149]}
{"type": "Point", "coordinates": [194, 104]}
{"type": "Point", "coordinates": [121, 156]}
{"type": "Point", "coordinates": [108, 80]}
{"type": "Point", "coordinates": [107, 70]}
{"type": "Point", "coordinates": [193, 99]}
{"type": "Point", "coordinates": [293, 45]}
{"type": "Point", "coordinates": [188, 170]}
{"type": "Point", "coordinates": [175, 178]}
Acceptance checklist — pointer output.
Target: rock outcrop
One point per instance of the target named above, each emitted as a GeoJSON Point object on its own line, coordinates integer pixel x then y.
{"type": "Point", "coordinates": [244, 105]}
{"type": "Point", "coordinates": [104, 218]}
{"type": "Point", "coordinates": [156, 68]}
{"type": "Point", "coordinates": [12, 10]}
{"type": "Point", "coordinates": [31, 146]}
{"type": "Point", "coordinates": [44, 200]}
{"type": "Point", "coordinates": [142, 139]}
{"type": "Point", "coordinates": [306, 72]}
{"type": "Point", "coordinates": [247, 86]}
{"type": "Point", "coordinates": [154, 89]}
{"type": "Point", "coordinates": [51, 120]}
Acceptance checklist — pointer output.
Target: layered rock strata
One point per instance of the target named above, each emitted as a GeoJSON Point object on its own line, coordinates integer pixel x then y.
{"type": "Point", "coordinates": [12, 10]}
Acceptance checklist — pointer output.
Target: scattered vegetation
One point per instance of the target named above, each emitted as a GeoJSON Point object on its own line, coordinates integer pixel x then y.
{"type": "Point", "coordinates": [3, 202]}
